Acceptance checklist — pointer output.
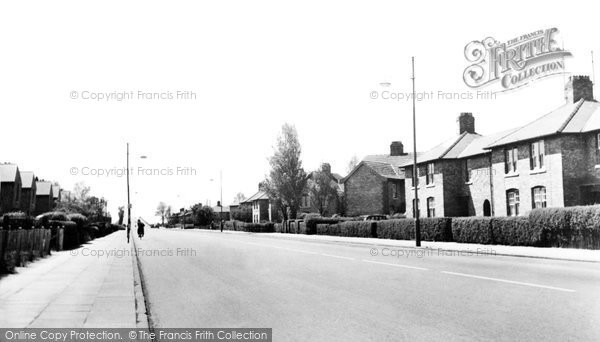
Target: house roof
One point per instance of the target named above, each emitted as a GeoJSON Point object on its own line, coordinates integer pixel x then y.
{"type": "Point", "coordinates": [8, 172]}
{"type": "Point", "coordinates": [579, 117]}
{"type": "Point", "coordinates": [261, 195]}
{"type": "Point", "coordinates": [449, 149]}
{"type": "Point", "coordinates": [217, 209]}
{"type": "Point", "coordinates": [27, 178]}
{"type": "Point", "coordinates": [384, 165]}
{"type": "Point", "coordinates": [43, 188]}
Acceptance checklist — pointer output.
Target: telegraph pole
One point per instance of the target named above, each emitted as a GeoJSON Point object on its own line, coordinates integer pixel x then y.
{"type": "Point", "coordinates": [415, 171]}
{"type": "Point", "coordinates": [128, 200]}
{"type": "Point", "coordinates": [221, 215]}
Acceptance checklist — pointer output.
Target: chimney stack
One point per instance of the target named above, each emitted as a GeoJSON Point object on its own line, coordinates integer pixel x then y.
{"type": "Point", "coordinates": [579, 87]}
{"type": "Point", "coordinates": [466, 123]}
{"type": "Point", "coordinates": [397, 149]}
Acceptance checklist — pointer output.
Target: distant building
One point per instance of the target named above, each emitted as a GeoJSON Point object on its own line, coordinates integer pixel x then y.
{"type": "Point", "coordinates": [226, 214]}
{"type": "Point", "coordinates": [44, 199]}
{"type": "Point", "coordinates": [376, 184]}
{"type": "Point", "coordinates": [28, 189]}
{"type": "Point", "coordinates": [10, 188]}
{"type": "Point", "coordinates": [261, 207]}
{"type": "Point", "coordinates": [56, 191]}
{"type": "Point", "coordinates": [330, 206]}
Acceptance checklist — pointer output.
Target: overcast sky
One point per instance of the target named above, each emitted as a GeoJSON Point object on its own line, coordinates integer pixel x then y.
{"type": "Point", "coordinates": [253, 65]}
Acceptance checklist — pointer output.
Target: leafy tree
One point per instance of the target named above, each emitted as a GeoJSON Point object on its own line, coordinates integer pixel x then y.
{"type": "Point", "coordinates": [202, 215]}
{"type": "Point", "coordinates": [243, 213]}
{"type": "Point", "coordinates": [161, 211]}
{"type": "Point", "coordinates": [239, 198]}
{"type": "Point", "coordinates": [323, 192]}
{"type": "Point", "coordinates": [287, 179]}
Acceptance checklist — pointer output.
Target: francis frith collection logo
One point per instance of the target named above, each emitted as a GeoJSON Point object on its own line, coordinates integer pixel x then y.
{"type": "Point", "coordinates": [516, 62]}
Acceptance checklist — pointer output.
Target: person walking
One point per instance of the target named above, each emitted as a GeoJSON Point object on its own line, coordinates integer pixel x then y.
{"type": "Point", "coordinates": [140, 229]}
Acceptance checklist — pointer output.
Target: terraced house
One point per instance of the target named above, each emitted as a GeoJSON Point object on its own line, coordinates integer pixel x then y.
{"type": "Point", "coordinates": [553, 161]}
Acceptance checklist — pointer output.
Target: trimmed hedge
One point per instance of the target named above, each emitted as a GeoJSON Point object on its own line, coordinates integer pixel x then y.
{"type": "Point", "coordinates": [513, 231]}
{"type": "Point", "coordinates": [328, 229]}
{"type": "Point", "coordinates": [436, 229]}
{"type": "Point", "coordinates": [258, 227]}
{"type": "Point", "coordinates": [400, 229]}
{"type": "Point", "coordinates": [358, 228]}
{"type": "Point", "coordinates": [574, 227]}
{"type": "Point", "coordinates": [472, 230]}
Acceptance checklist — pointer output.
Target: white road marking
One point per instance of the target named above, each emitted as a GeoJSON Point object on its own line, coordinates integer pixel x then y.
{"type": "Point", "coordinates": [509, 281]}
{"type": "Point", "coordinates": [337, 256]}
{"type": "Point", "coordinates": [397, 265]}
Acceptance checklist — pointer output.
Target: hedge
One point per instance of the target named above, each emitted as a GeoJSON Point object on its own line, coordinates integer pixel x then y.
{"type": "Point", "coordinates": [328, 229]}
{"type": "Point", "coordinates": [436, 229]}
{"type": "Point", "coordinates": [258, 227]}
{"type": "Point", "coordinates": [472, 230]}
{"type": "Point", "coordinates": [513, 231]}
{"type": "Point", "coordinates": [400, 229]}
{"type": "Point", "coordinates": [358, 228]}
{"type": "Point", "coordinates": [575, 227]}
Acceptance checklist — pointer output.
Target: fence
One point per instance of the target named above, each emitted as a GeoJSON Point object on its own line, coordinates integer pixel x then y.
{"type": "Point", "coordinates": [20, 246]}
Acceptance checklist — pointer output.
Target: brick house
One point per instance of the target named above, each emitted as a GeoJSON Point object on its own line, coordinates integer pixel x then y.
{"type": "Point", "coordinates": [44, 199]}
{"type": "Point", "coordinates": [10, 188]}
{"type": "Point", "coordinates": [553, 161]}
{"type": "Point", "coordinates": [28, 192]}
{"type": "Point", "coordinates": [330, 206]}
{"type": "Point", "coordinates": [261, 207]}
{"type": "Point", "coordinates": [376, 184]}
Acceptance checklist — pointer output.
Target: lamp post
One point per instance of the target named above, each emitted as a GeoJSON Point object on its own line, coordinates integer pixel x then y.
{"type": "Point", "coordinates": [128, 199]}
{"type": "Point", "coordinates": [415, 171]}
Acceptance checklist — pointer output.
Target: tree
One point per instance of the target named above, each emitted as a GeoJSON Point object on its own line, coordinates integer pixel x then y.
{"type": "Point", "coordinates": [81, 191]}
{"type": "Point", "coordinates": [161, 211]}
{"type": "Point", "coordinates": [354, 161]}
{"type": "Point", "coordinates": [323, 192]}
{"type": "Point", "coordinates": [121, 214]}
{"type": "Point", "coordinates": [243, 213]}
{"type": "Point", "coordinates": [239, 198]}
{"type": "Point", "coordinates": [287, 179]}
{"type": "Point", "coordinates": [202, 215]}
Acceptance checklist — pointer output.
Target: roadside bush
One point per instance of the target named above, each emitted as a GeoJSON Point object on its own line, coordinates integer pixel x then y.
{"type": "Point", "coordinates": [472, 230]}
{"type": "Point", "coordinates": [45, 218]}
{"type": "Point", "coordinates": [358, 228]}
{"type": "Point", "coordinates": [572, 227]}
{"type": "Point", "coordinates": [328, 229]}
{"type": "Point", "coordinates": [17, 220]}
{"type": "Point", "coordinates": [311, 221]}
{"type": "Point", "coordinates": [401, 229]}
{"type": "Point", "coordinates": [436, 229]}
{"type": "Point", "coordinates": [513, 231]}
{"type": "Point", "coordinates": [267, 227]}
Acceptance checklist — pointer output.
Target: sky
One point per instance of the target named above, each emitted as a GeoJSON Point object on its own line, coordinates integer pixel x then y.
{"type": "Point", "coordinates": [248, 67]}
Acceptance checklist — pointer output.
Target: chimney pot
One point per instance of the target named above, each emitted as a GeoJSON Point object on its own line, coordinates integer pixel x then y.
{"type": "Point", "coordinates": [466, 123]}
{"type": "Point", "coordinates": [397, 149]}
{"type": "Point", "coordinates": [579, 87]}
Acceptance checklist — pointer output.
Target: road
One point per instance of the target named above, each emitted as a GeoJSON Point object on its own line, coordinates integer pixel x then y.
{"type": "Point", "coordinates": [332, 291]}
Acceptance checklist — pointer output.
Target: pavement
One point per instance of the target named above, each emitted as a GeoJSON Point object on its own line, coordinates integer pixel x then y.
{"type": "Point", "coordinates": [330, 290]}
{"type": "Point", "coordinates": [93, 286]}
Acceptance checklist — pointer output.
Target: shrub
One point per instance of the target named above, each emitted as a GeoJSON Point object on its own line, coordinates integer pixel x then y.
{"type": "Point", "coordinates": [401, 229]}
{"type": "Point", "coordinates": [328, 229]}
{"type": "Point", "coordinates": [17, 220]}
{"type": "Point", "coordinates": [258, 227]}
{"type": "Point", "coordinates": [472, 230]}
{"type": "Point", "coordinates": [358, 228]}
{"type": "Point", "coordinates": [436, 228]}
{"type": "Point", "coordinates": [311, 221]}
{"type": "Point", "coordinates": [567, 227]}
{"type": "Point", "coordinates": [44, 218]}
{"type": "Point", "coordinates": [513, 231]}
{"type": "Point", "coordinates": [242, 213]}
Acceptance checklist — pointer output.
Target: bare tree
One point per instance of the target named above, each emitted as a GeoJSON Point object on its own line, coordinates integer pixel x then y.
{"type": "Point", "coordinates": [287, 179]}
{"type": "Point", "coordinates": [161, 210]}
{"type": "Point", "coordinates": [354, 161]}
{"type": "Point", "coordinates": [239, 198]}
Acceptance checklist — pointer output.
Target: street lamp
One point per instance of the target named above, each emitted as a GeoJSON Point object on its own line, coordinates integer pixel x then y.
{"type": "Point", "coordinates": [415, 172]}
{"type": "Point", "coordinates": [129, 195]}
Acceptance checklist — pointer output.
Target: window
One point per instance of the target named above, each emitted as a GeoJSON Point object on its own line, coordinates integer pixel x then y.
{"type": "Point", "coordinates": [510, 160]}
{"type": "Point", "coordinates": [395, 190]}
{"type": "Point", "coordinates": [430, 207]}
{"type": "Point", "coordinates": [538, 196]}
{"type": "Point", "coordinates": [430, 172]}
{"type": "Point", "coordinates": [598, 141]}
{"type": "Point", "coordinates": [536, 154]}
{"type": "Point", "coordinates": [305, 200]}
{"type": "Point", "coordinates": [512, 202]}
{"type": "Point", "coordinates": [467, 171]}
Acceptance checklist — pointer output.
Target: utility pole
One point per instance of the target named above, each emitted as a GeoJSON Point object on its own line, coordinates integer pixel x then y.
{"type": "Point", "coordinates": [221, 215]}
{"type": "Point", "coordinates": [128, 199]}
{"type": "Point", "coordinates": [415, 171]}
